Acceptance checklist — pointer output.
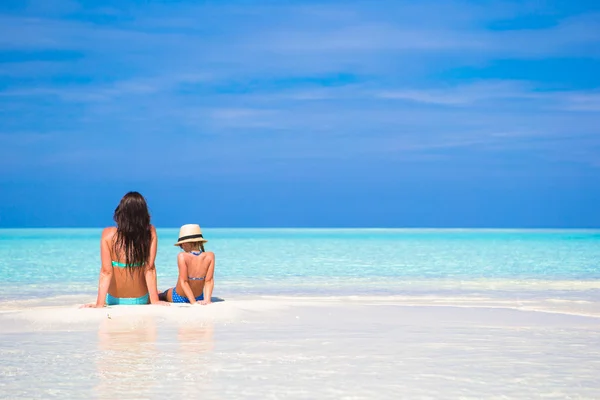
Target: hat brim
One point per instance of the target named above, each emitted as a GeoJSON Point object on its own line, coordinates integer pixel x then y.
{"type": "Point", "coordinates": [201, 240]}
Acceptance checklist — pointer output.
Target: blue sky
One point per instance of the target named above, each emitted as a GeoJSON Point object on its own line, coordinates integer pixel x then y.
{"type": "Point", "coordinates": [301, 113]}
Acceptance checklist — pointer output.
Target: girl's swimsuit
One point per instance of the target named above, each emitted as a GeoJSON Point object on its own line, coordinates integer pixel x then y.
{"type": "Point", "coordinates": [180, 299]}
{"type": "Point", "coordinates": [129, 301]}
{"type": "Point", "coordinates": [177, 298]}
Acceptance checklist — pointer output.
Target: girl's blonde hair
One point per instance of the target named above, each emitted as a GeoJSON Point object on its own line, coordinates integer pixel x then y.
{"type": "Point", "coordinates": [199, 245]}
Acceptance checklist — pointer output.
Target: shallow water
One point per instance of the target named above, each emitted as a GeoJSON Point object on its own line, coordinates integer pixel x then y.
{"type": "Point", "coordinates": [300, 349]}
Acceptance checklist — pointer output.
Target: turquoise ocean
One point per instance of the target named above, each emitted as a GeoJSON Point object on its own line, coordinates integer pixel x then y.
{"type": "Point", "coordinates": [45, 263]}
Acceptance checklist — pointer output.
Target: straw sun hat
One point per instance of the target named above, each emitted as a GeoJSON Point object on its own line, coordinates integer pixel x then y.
{"type": "Point", "coordinates": [190, 233]}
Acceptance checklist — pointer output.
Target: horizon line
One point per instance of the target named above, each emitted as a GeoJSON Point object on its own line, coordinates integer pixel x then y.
{"type": "Point", "coordinates": [322, 228]}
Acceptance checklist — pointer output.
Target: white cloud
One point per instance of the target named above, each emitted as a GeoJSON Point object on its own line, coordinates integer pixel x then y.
{"type": "Point", "coordinates": [463, 94]}
{"type": "Point", "coordinates": [583, 101]}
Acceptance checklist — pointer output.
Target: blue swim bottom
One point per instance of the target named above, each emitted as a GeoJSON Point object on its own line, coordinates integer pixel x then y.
{"type": "Point", "coordinates": [127, 301]}
{"type": "Point", "coordinates": [180, 299]}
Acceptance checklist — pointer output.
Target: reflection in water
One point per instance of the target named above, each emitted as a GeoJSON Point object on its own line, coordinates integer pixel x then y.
{"type": "Point", "coordinates": [127, 353]}
{"type": "Point", "coordinates": [145, 357]}
{"type": "Point", "coordinates": [195, 342]}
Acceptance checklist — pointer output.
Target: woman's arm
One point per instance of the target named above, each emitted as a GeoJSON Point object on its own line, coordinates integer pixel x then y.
{"type": "Point", "coordinates": [209, 281]}
{"type": "Point", "coordinates": [150, 272]}
{"type": "Point", "coordinates": [106, 270]}
{"type": "Point", "coordinates": [183, 278]}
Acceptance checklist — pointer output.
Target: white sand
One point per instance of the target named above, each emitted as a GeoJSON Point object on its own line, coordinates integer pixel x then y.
{"type": "Point", "coordinates": [278, 347]}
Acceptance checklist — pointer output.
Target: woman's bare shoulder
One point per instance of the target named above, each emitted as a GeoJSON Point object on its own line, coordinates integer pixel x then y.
{"type": "Point", "coordinates": [109, 232]}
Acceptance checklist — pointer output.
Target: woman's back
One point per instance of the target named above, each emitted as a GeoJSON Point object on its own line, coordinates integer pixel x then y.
{"type": "Point", "coordinates": [127, 274]}
{"type": "Point", "coordinates": [127, 279]}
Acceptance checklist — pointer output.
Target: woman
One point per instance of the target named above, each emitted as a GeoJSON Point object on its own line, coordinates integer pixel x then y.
{"type": "Point", "coordinates": [196, 269]}
{"type": "Point", "coordinates": [128, 274]}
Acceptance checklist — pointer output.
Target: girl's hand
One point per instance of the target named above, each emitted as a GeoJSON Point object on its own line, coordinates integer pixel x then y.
{"type": "Point", "coordinates": [161, 303]}
{"type": "Point", "coordinates": [92, 305]}
{"type": "Point", "coordinates": [205, 302]}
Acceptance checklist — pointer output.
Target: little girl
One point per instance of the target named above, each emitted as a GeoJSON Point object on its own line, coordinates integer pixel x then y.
{"type": "Point", "coordinates": [196, 269]}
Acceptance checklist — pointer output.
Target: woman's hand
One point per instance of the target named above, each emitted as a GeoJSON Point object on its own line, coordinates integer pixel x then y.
{"type": "Point", "coordinates": [206, 302]}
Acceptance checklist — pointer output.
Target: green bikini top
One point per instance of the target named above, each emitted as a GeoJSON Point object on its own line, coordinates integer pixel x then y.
{"type": "Point", "coordinates": [123, 265]}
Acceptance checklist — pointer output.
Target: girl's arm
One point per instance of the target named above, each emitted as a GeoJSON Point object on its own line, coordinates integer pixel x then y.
{"type": "Point", "coordinates": [183, 278]}
{"type": "Point", "coordinates": [106, 270]}
{"type": "Point", "coordinates": [150, 272]}
{"type": "Point", "coordinates": [209, 281]}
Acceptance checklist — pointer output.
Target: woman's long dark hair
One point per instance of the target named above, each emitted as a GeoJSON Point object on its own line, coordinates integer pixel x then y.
{"type": "Point", "coordinates": [134, 233]}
